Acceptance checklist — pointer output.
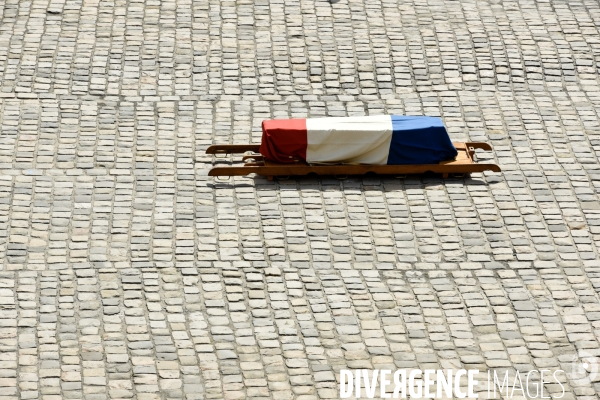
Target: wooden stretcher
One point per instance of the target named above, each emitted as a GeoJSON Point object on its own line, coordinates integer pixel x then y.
{"type": "Point", "coordinates": [257, 164]}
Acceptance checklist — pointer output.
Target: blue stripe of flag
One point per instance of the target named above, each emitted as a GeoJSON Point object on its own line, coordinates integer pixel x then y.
{"type": "Point", "coordinates": [419, 140]}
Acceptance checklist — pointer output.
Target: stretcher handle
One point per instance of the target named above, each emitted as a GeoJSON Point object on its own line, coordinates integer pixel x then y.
{"type": "Point", "coordinates": [232, 148]}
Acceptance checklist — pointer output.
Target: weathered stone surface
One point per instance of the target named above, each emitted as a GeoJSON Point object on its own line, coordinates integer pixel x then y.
{"type": "Point", "coordinates": [126, 272]}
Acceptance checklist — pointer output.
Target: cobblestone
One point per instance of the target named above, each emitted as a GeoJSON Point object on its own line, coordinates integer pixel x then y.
{"type": "Point", "coordinates": [127, 273]}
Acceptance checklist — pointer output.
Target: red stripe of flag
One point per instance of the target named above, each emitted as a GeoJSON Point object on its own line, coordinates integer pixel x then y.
{"type": "Point", "coordinates": [284, 140]}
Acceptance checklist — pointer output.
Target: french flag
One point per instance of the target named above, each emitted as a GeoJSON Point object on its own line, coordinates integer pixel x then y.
{"type": "Point", "coordinates": [374, 140]}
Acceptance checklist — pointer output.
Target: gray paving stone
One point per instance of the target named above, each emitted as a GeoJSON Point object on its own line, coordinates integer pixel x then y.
{"type": "Point", "coordinates": [126, 272]}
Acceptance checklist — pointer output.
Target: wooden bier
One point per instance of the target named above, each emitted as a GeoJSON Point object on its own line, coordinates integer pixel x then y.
{"type": "Point", "coordinates": [257, 164]}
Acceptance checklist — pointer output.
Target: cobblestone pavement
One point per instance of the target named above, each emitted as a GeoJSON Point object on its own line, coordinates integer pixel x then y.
{"type": "Point", "coordinates": [126, 272]}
